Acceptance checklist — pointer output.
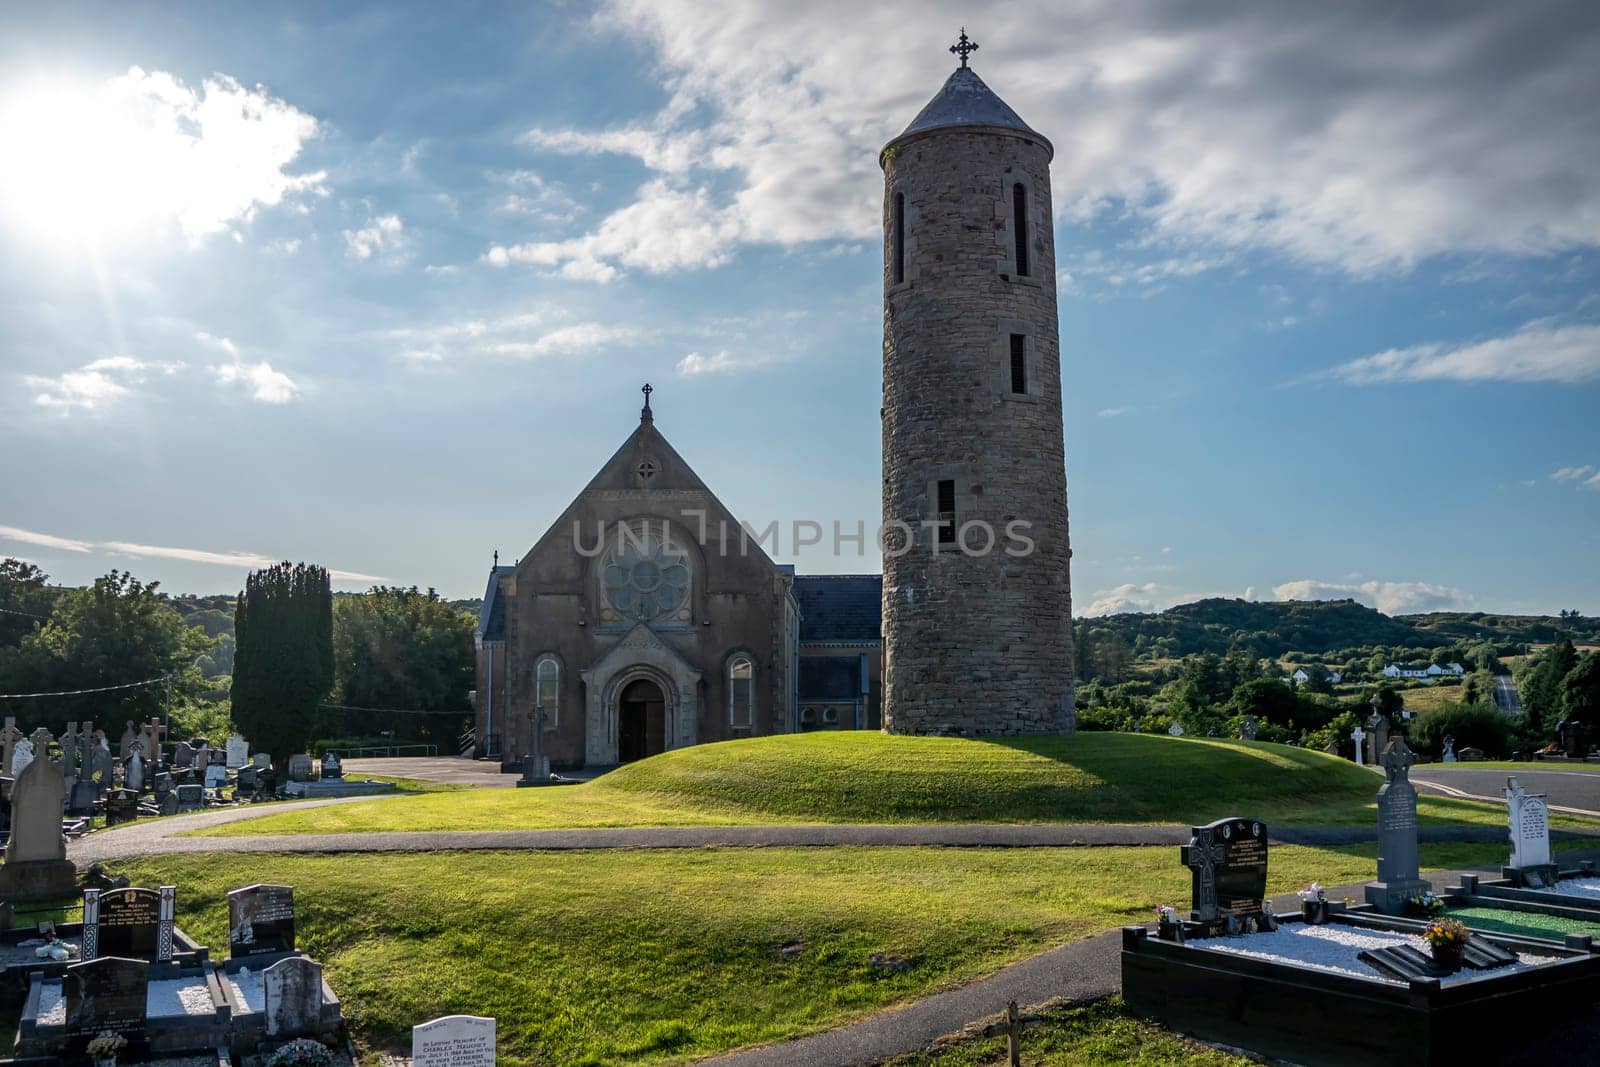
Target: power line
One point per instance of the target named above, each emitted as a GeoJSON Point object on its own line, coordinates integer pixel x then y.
{"type": "Point", "coordinates": [82, 692]}
{"type": "Point", "coordinates": [24, 614]}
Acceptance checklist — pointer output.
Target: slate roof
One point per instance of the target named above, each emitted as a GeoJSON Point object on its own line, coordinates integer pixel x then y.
{"type": "Point", "coordinates": [830, 677]}
{"type": "Point", "coordinates": [840, 609]}
{"type": "Point", "coordinates": [492, 616]}
{"type": "Point", "coordinates": [966, 101]}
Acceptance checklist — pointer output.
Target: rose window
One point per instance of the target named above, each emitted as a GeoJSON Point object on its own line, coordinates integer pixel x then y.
{"type": "Point", "coordinates": [645, 584]}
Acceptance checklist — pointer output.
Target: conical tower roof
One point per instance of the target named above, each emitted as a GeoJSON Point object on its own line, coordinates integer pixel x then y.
{"type": "Point", "coordinates": [966, 103]}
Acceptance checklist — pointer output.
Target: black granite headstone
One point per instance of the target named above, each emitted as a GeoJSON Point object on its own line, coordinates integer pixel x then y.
{"type": "Point", "coordinates": [107, 994]}
{"type": "Point", "coordinates": [260, 920]}
{"type": "Point", "coordinates": [1228, 859]}
{"type": "Point", "coordinates": [130, 922]}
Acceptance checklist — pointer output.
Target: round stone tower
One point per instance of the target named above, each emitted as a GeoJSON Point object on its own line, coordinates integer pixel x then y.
{"type": "Point", "coordinates": [977, 605]}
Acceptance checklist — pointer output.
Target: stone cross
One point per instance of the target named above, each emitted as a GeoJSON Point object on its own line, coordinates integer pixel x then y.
{"type": "Point", "coordinates": [1378, 736]}
{"type": "Point", "coordinates": [1202, 858]}
{"type": "Point", "coordinates": [1359, 735]}
{"type": "Point", "coordinates": [1398, 880]}
{"type": "Point", "coordinates": [69, 754]}
{"type": "Point", "coordinates": [1397, 759]}
{"type": "Point", "coordinates": [9, 737]}
{"type": "Point", "coordinates": [129, 737]}
{"type": "Point", "coordinates": [535, 768]}
{"type": "Point", "coordinates": [964, 47]}
{"type": "Point", "coordinates": [1449, 750]}
{"type": "Point", "coordinates": [154, 732]}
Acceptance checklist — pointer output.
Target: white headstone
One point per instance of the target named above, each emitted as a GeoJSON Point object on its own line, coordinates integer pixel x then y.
{"type": "Point", "coordinates": [133, 772]}
{"type": "Point", "coordinates": [1175, 730]}
{"type": "Point", "coordinates": [293, 997]}
{"type": "Point", "coordinates": [1529, 816]}
{"type": "Point", "coordinates": [453, 1041]}
{"type": "Point", "coordinates": [238, 752]}
{"type": "Point", "coordinates": [1358, 735]}
{"type": "Point", "coordinates": [21, 756]}
{"type": "Point", "coordinates": [216, 776]}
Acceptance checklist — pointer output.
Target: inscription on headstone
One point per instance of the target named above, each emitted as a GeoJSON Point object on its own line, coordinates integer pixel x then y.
{"type": "Point", "coordinates": [107, 994]}
{"type": "Point", "coordinates": [260, 919]}
{"type": "Point", "coordinates": [1228, 859]}
{"type": "Point", "coordinates": [1397, 833]}
{"type": "Point", "coordinates": [129, 925]}
{"type": "Point", "coordinates": [453, 1041]}
{"type": "Point", "coordinates": [293, 997]}
{"type": "Point", "coordinates": [300, 767]}
{"type": "Point", "coordinates": [1528, 815]}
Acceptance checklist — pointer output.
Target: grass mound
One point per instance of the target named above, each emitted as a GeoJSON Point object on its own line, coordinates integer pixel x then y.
{"type": "Point", "coordinates": [861, 777]}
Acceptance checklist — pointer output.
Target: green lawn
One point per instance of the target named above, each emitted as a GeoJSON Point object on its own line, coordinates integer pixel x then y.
{"type": "Point", "coordinates": [1089, 1035]}
{"type": "Point", "coordinates": [865, 777]}
{"type": "Point", "coordinates": [664, 956]}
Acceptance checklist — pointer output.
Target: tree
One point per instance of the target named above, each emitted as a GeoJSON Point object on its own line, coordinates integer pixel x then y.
{"type": "Point", "coordinates": [25, 600]}
{"type": "Point", "coordinates": [1580, 690]}
{"type": "Point", "coordinates": [1540, 684]}
{"type": "Point", "coordinates": [402, 648]}
{"type": "Point", "coordinates": [116, 632]}
{"type": "Point", "coordinates": [283, 656]}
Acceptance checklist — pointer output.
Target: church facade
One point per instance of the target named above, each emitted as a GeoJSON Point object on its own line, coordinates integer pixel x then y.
{"type": "Point", "coordinates": [647, 619]}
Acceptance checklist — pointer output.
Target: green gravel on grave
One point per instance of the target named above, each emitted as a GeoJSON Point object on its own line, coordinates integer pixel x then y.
{"type": "Point", "coordinates": [1524, 923]}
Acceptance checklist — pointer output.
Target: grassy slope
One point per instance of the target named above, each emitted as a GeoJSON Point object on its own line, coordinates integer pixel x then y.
{"type": "Point", "coordinates": [642, 956]}
{"type": "Point", "coordinates": [873, 778]}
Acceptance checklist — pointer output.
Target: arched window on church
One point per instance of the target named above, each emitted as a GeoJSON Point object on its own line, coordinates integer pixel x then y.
{"type": "Point", "coordinates": [1019, 226]}
{"type": "Point", "coordinates": [899, 238]}
{"type": "Point", "coordinates": [547, 690]}
{"type": "Point", "coordinates": [741, 693]}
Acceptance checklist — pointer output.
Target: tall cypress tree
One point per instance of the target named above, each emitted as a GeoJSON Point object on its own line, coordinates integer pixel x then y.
{"type": "Point", "coordinates": [283, 656]}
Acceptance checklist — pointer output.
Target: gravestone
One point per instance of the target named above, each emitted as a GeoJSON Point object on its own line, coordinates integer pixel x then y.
{"type": "Point", "coordinates": [153, 733]}
{"type": "Point", "coordinates": [100, 766]}
{"type": "Point", "coordinates": [106, 994]}
{"type": "Point", "coordinates": [262, 760]}
{"type": "Point", "coordinates": [168, 802]}
{"type": "Point", "coordinates": [1377, 736]}
{"type": "Point", "coordinates": [1398, 880]}
{"type": "Point", "coordinates": [122, 806]}
{"type": "Point", "coordinates": [293, 997]}
{"type": "Point", "coordinates": [300, 767]}
{"type": "Point", "coordinates": [453, 1041]}
{"type": "Point", "coordinates": [1359, 735]}
{"type": "Point", "coordinates": [1175, 730]}
{"type": "Point", "coordinates": [1228, 860]}
{"type": "Point", "coordinates": [21, 756]}
{"type": "Point", "coordinates": [190, 797]}
{"type": "Point", "coordinates": [247, 778]}
{"type": "Point", "coordinates": [126, 743]}
{"type": "Point", "coordinates": [266, 783]}
{"type": "Point", "coordinates": [128, 923]}
{"type": "Point", "coordinates": [238, 752]}
{"type": "Point", "coordinates": [1449, 749]}
{"type": "Point", "coordinates": [331, 767]}
{"type": "Point", "coordinates": [1248, 729]}
{"type": "Point", "coordinates": [69, 755]}
{"type": "Point", "coordinates": [216, 776]}
{"type": "Point", "coordinates": [535, 764]}
{"type": "Point", "coordinates": [36, 866]}
{"type": "Point", "coordinates": [164, 784]}
{"type": "Point", "coordinates": [260, 920]}
{"type": "Point", "coordinates": [133, 771]}
{"type": "Point", "coordinates": [183, 755]}
{"type": "Point", "coordinates": [9, 736]}
{"type": "Point", "coordinates": [1528, 815]}
{"type": "Point", "coordinates": [81, 800]}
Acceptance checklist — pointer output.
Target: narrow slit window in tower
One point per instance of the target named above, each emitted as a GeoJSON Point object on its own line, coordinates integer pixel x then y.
{"type": "Point", "coordinates": [899, 238]}
{"type": "Point", "coordinates": [1019, 363]}
{"type": "Point", "coordinates": [947, 513]}
{"type": "Point", "coordinates": [1019, 226]}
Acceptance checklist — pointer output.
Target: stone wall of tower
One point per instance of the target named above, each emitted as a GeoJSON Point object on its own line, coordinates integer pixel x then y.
{"type": "Point", "coordinates": [974, 644]}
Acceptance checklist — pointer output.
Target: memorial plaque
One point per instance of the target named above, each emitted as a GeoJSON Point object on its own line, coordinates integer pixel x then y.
{"type": "Point", "coordinates": [238, 752]}
{"type": "Point", "coordinates": [107, 994]}
{"type": "Point", "coordinates": [453, 1041]}
{"type": "Point", "coordinates": [260, 920]}
{"type": "Point", "coordinates": [1228, 859]}
{"type": "Point", "coordinates": [190, 796]}
{"type": "Point", "coordinates": [130, 922]}
{"type": "Point", "coordinates": [300, 767]}
{"type": "Point", "coordinates": [331, 767]}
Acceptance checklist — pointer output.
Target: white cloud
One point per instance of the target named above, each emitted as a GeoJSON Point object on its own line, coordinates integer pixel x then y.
{"type": "Point", "coordinates": [1391, 598]}
{"type": "Point", "coordinates": [144, 149]}
{"type": "Point", "coordinates": [1572, 474]}
{"type": "Point", "coordinates": [665, 230]}
{"type": "Point", "coordinates": [1291, 127]}
{"type": "Point", "coordinates": [266, 385]}
{"type": "Point", "coordinates": [1538, 352]}
{"type": "Point", "coordinates": [527, 335]}
{"type": "Point", "coordinates": [723, 362]}
{"type": "Point", "coordinates": [1111, 413]}
{"type": "Point", "coordinates": [382, 237]}
{"type": "Point", "coordinates": [95, 386]}
{"type": "Point", "coordinates": [1148, 597]}
{"type": "Point", "coordinates": [244, 560]}
{"type": "Point", "coordinates": [43, 540]}
{"type": "Point", "coordinates": [217, 342]}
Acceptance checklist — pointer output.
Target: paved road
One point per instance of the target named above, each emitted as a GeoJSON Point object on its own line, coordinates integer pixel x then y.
{"type": "Point", "coordinates": [447, 770]}
{"type": "Point", "coordinates": [1576, 791]}
{"type": "Point", "coordinates": [1505, 695]}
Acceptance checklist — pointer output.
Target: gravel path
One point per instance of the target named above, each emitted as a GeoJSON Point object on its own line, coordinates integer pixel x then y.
{"type": "Point", "coordinates": [160, 836]}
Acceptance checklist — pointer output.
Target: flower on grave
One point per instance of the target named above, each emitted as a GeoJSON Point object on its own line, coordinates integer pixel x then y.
{"type": "Point", "coordinates": [1447, 934]}
{"type": "Point", "coordinates": [1166, 914]}
{"type": "Point", "coordinates": [1314, 891]}
{"type": "Point", "coordinates": [107, 1043]}
{"type": "Point", "coordinates": [302, 1052]}
{"type": "Point", "coordinates": [1424, 905]}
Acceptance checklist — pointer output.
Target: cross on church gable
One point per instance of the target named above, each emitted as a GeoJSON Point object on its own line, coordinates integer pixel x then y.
{"type": "Point", "coordinates": [647, 469]}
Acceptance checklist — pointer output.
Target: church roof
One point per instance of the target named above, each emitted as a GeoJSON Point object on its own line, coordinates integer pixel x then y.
{"type": "Point", "coordinates": [966, 102]}
{"type": "Point", "coordinates": [492, 615]}
{"type": "Point", "coordinates": [840, 609]}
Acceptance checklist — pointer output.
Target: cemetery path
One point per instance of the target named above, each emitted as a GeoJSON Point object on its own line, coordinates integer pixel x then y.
{"type": "Point", "coordinates": [155, 837]}
{"type": "Point", "coordinates": [1080, 971]}
{"type": "Point", "coordinates": [1572, 792]}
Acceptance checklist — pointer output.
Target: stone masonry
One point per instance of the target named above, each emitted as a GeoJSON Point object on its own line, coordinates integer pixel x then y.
{"type": "Point", "coordinates": [975, 644]}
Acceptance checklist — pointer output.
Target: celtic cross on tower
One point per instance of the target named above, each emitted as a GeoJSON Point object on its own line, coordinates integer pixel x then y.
{"type": "Point", "coordinates": [964, 47]}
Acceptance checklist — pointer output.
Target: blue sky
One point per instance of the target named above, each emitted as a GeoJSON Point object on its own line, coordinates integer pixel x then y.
{"type": "Point", "coordinates": [377, 287]}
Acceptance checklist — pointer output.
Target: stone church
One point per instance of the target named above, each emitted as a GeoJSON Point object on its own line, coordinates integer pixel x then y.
{"type": "Point", "coordinates": [645, 619]}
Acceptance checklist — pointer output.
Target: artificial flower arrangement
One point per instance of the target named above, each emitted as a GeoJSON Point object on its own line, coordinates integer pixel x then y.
{"type": "Point", "coordinates": [105, 1046]}
{"type": "Point", "coordinates": [302, 1052]}
{"type": "Point", "coordinates": [1166, 913]}
{"type": "Point", "coordinates": [1170, 929]}
{"type": "Point", "coordinates": [1424, 905]}
{"type": "Point", "coordinates": [55, 949]}
{"type": "Point", "coordinates": [1448, 939]}
{"type": "Point", "coordinates": [1314, 904]}
{"type": "Point", "coordinates": [1314, 891]}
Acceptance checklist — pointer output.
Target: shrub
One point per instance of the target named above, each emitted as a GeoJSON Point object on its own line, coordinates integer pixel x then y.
{"type": "Point", "coordinates": [1473, 725]}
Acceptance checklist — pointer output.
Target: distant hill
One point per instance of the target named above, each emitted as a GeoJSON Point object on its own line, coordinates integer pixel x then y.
{"type": "Point", "coordinates": [1273, 628]}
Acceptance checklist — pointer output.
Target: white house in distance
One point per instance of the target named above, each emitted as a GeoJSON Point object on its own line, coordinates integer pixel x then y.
{"type": "Point", "coordinates": [1301, 677]}
{"type": "Point", "coordinates": [1431, 673]}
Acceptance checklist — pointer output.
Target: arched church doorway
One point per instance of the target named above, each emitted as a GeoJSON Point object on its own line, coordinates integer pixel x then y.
{"type": "Point", "coordinates": [641, 721]}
